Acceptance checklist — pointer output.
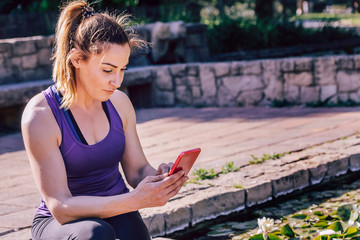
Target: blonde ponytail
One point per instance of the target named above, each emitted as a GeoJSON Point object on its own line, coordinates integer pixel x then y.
{"type": "Point", "coordinates": [89, 32]}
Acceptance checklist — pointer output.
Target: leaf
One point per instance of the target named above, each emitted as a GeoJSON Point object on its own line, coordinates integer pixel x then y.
{"type": "Point", "coordinates": [318, 213]}
{"type": "Point", "coordinates": [321, 224]}
{"type": "Point", "coordinates": [299, 216]}
{"type": "Point", "coordinates": [287, 231]}
{"type": "Point", "coordinates": [344, 212]}
{"type": "Point", "coordinates": [272, 236]}
{"type": "Point", "coordinates": [321, 238]}
{"type": "Point", "coordinates": [257, 237]}
{"type": "Point", "coordinates": [350, 231]}
{"type": "Point", "coordinates": [336, 226]}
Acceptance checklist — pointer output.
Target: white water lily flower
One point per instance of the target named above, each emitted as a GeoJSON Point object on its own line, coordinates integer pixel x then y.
{"type": "Point", "coordinates": [266, 225]}
{"type": "Point", "coordinates": [326, 232]}
{"type": "Point", "coordinates": [354, 215]}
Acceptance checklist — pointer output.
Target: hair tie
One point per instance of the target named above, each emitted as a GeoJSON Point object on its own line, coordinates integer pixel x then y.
{"type": "Point", "coordinates": [87, 11]}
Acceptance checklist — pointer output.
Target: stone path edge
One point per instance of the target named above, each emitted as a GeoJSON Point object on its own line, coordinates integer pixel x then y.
{"type": "Point", "coordinates": [233, 200]}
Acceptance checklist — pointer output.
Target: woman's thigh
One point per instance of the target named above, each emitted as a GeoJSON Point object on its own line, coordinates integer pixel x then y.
{"type": "Point", "coordinates": [84, 229]}
{"type": "Point", "coordinates": [129, 226]}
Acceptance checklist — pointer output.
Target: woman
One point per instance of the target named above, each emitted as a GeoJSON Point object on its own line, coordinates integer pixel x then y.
{"type": "Point", "coordinates": [78, 130]}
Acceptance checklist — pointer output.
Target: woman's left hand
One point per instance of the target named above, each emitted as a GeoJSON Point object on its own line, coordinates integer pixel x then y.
{"type": "Point", "coordinates": [164, 168]}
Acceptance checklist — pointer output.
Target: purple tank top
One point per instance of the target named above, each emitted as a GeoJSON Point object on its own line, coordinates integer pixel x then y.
{"type": "Point", "coordinates": [92, 170]}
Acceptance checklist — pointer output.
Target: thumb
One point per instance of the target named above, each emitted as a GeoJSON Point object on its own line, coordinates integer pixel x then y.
{"type": "Point", "coordinates": [156, 178]}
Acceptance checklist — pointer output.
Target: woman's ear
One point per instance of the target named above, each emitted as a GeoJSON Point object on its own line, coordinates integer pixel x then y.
{"type": "Point", "coordinates": [75, 57]}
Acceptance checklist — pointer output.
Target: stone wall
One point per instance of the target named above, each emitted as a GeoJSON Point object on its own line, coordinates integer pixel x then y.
{"type": "Point", "coordinates": [305, 80]}
{"type": "Point", "coordinates": [27, 59]}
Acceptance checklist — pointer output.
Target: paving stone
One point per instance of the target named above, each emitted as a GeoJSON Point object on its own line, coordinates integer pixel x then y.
{"type": "Point", "coordinates": [257, 194]}
{"type": "Point", "coordinates": [24, 234]}
{"type": "Point", "coordinates": [155, 223]}
{"type": "Point", "coordinates": [354, 162]}
{"type": "Point", "coordinates": [337, 168]}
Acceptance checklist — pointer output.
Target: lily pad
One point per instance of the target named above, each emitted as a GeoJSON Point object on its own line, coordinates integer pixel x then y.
{"type": "Point", "coordinates": [299, 216]}
{"type": "Point", "coordinates": [287, 231]}
{"type": "Point", "coordinates": [344, 212]}
{"type": "Point", "coordinates": [336, 226]}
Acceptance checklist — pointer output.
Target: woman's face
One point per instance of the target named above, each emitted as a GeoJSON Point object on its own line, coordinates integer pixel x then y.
{"type": "Point", "coordinates": [101, 74]}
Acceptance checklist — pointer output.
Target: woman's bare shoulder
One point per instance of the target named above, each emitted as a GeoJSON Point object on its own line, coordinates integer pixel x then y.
{"type": "Point", "coordinates": [37, 116]}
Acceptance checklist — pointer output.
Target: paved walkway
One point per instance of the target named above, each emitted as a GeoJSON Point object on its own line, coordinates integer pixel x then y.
{"type": "Point", "coordinates": [224, 134]}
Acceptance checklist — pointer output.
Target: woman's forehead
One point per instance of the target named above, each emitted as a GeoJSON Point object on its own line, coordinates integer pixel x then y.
{"type": "Point", "coordinates": [115, 54]}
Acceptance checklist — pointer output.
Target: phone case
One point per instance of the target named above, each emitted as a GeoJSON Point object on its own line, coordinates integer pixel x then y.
{"type": "Point", "coordinates": [185, 161]}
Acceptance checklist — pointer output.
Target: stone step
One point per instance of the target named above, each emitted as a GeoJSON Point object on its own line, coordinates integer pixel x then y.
{"type": "Point", "coordinates": [255, 184]}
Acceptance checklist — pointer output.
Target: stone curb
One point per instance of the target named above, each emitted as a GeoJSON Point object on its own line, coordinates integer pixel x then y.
{"type": "Point", "coordinates": [217, 197]}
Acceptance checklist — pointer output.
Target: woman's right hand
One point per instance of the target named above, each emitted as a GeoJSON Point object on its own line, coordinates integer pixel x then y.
{"type": "Point", "coordinates": [155, 191]}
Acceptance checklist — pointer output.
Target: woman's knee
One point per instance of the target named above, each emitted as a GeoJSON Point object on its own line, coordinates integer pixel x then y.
{"type": "Point", "coordinates": [94, 229]}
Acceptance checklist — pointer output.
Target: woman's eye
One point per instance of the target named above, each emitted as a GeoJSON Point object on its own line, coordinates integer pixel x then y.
{"type": "Point", "coordinates": [124, 69]}
{"type": "Point", "coordinates": [107, 70]}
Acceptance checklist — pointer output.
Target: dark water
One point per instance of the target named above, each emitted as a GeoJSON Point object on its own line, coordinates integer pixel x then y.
{"type": "Point", "coordinates": [245, 221]}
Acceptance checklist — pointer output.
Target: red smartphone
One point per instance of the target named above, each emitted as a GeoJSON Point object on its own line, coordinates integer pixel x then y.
{"type": "Point", "coordinates": [185, 161]}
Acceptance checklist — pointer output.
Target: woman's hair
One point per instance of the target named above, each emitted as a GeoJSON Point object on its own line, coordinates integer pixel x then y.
{"type": "Point", "coordinates": [80, 27]}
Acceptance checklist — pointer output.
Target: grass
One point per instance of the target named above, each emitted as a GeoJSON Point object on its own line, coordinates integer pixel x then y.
{"type": "Point", "coordinates": [265, 157]}
{"type": "Point", "coordinates": [353, 19]}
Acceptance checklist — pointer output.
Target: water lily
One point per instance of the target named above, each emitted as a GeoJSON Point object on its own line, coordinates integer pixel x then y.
{"type": "Point", "coordinates": [266, 225]}
{"type": "Point", "coordinates": [326, 232]}
{"type": "Point", "coordinates": [354, 216]}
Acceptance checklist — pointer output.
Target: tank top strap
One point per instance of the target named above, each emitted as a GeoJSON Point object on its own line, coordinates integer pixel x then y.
{"type": "Point", "coordinates": [114, 116]}
{"type": "Point", "coordinates": [54, 106]}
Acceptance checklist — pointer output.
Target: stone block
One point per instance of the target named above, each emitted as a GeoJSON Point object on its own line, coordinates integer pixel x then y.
{"type": "Point", "coordinates": [45, 42]}
{"type": "Point", "coordinates": [178, 70]}
{"type": "Point", "coordinates": [15, 62]}
{"type": "Point", "coordinates": [288, 65]}
{"type": "Point", "coordinates": [354, 97]}
{"type": "Point", "coordinates": [44, 57]}
{"type": "Point", "coordinates": [195, 91]}
{"type": "Point", "coordinates": [178, 29]}
{"type": "Point", "coordinates": [327, 92]}
{"type": "Point", "coordinates": [29, 61]}
{"type": "Point", "coordinates": [177, 219]}
{"type": "Point", "coordinates": [21, 48]}
{"type": "Point", "coordinates": [236, 68]}
{"type": "Point", "coordinates": [183, 95]}
{"type": "Point", "coordinates": [250, 98]}
{"type": "Point", "coordinates": [299, 79]}
{"type": "Point", "coordinates": [208, 83]}
{"type": "Point", "coordinates": [283, 185]}
{"type": "Point", "coordinates": [324, 70]}
{"type": "Point", "coordinates": [181, 81]}
{"type": "Point", "coordinates": [138, 76]}
{"type": "Point", "coordinates": [258, 194]}
{"type": "Point", "coordinates": [304, 64]}
{"type": "Point", "coordinates": [5, 47]}
{"type": "Point", "coordinates": [155, 223]}
{"type": "Point", "coordinates": [343, 97]}
{"type": "Point", "coordinates": [192, 70]}
{"type": "Point", "coordinates": [191, 80]}
{"type": "Point", "coordinates": [165, 98]}
{"type": "Point", "coordinates": [309, 94]}
{"type": "Point", "coordinates": [224, 98]}
{"type": "Point", "coordinates": [301, 179]}
{"type": "Point", "coordinates": [222, 69]}
{"type": "Point", "coordinates": [251, 67]}
{"type": "Point", "coordinates": [271, 66]}
{"type": "Point", "coordinates": [356, 62]}
{"type": "Point", "coordinates": [243, 83]}
{"type": "Point", "coordinates": [163, 78]}
{"type": "Point", "coordinates": [217, 205]}
{"type": "Point", "coordinates": [345, 63]}
{"type": "Point", "coordinates": [337, 168]}
{"type": "Point", "coordinates": [291, 93]}
{"type": "Point", "coordinates": [274, 90]}
{"type": "Point", "coordinates": [348, 81]}
{"type": "Point", "coordinates": [354, 163]}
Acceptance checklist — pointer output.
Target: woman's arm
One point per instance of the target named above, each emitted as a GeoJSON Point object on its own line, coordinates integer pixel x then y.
{"type": "Point", "coordinates": [42, 137]}
{"type": "Point", "coordinates": [134, 163]}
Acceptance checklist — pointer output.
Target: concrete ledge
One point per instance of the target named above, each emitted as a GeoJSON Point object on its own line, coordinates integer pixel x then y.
{"type": "Point", "coordinates": [20, 93]}
{"type": "Point", "coordinates": [212, 198]}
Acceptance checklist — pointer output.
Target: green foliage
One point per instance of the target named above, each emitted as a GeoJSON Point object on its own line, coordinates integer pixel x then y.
{"type": "Point", "coordinates": [231, 35]}
{"type": "Point", "coordinates": [344, 212]}
{"type": "Point", "coordinates": [286, 230]}
{"type": "Point", "coordinates": [229, 167]}
{"type": "Point", "coordinates": [203, 174]}
{"type": "Point", "coordinates": [265, 157]}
